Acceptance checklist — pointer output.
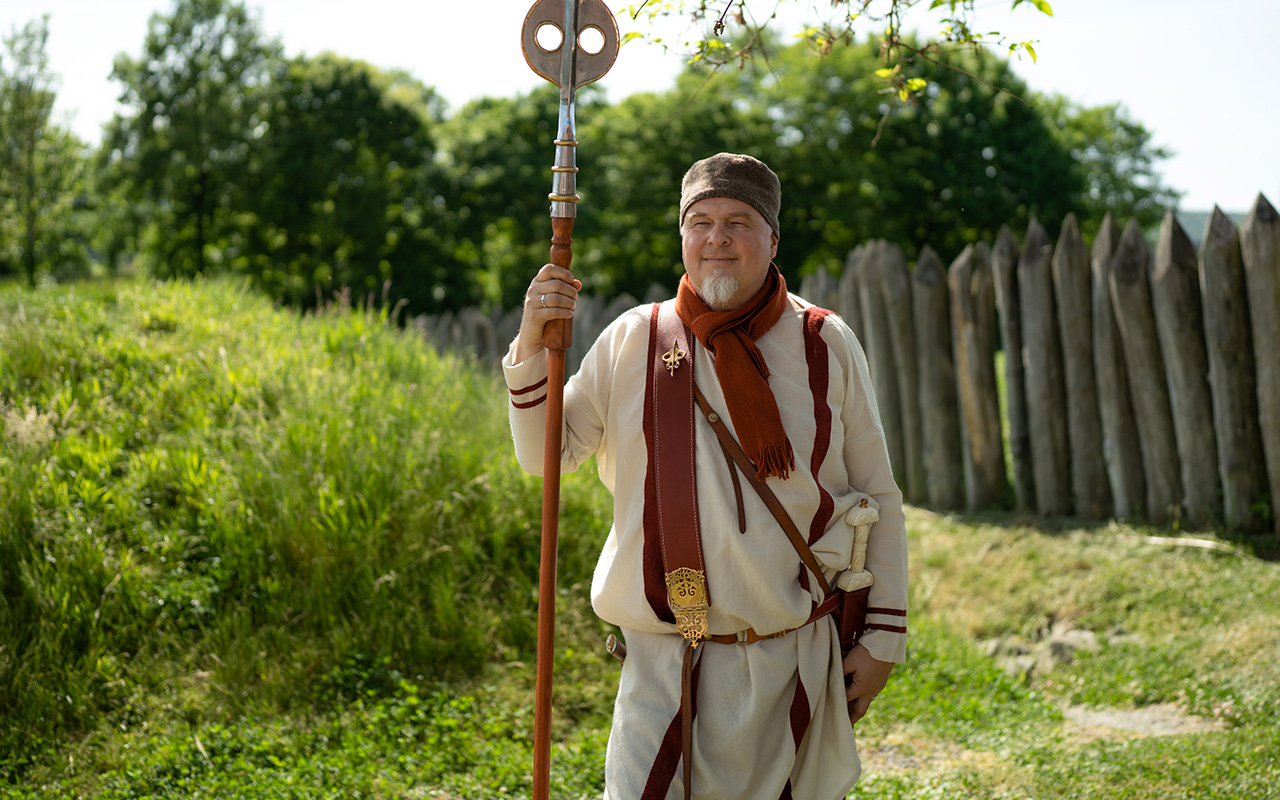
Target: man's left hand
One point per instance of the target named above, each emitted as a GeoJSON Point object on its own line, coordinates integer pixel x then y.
{"type": "Point", "coordinates": [869, 677]}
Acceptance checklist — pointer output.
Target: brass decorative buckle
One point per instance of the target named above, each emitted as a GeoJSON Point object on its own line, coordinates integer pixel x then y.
{"type": "Point", "coordinates": [687, 593]}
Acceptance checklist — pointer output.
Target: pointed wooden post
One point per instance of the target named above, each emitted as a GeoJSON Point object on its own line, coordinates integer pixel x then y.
{"type": "Point", "coordinates": [1042, 370]}
{"type": "Point", "coordinates": [1175, 298]}
{"type": "Point", "coordinates": [1229, 344]}
{"type": "Point", "coordinates": [973, 326]}
{"type": "Point", "coordinates": [1075, 324]}
{"type": "Point", "coordinates": [1004, 268]}
{"type": "Point", "coordinates": [939, 409]}
{"type": "Point", "coordinates": [897, 300]}
{"type": "Point", "coordinates": [849, 306]}
{"type": "Point", "coordinates": [878, 344]}
{"type": "Point", "coordinates": [1260, 239]}
{"type": "Point", "coordinates": [1131, 302]}
{"type": "Point", "coordinates": [1120, 444]}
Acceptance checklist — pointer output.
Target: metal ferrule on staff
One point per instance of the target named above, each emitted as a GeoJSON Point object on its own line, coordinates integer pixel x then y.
{"type": "Point", "coordinates": [564, 173]}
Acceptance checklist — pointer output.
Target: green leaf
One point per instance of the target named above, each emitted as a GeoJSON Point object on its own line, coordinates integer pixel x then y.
{"type": "Point", "coordinates": [1044, 7]}
{"type": "Point", "coordinates": [626, 37]}
{"type": "Point", "coordinates": [885, 73]}
{"type": "Point", "coordinates": [1032, 51]}
{"type": "Point", "coordinates": [917, 84]}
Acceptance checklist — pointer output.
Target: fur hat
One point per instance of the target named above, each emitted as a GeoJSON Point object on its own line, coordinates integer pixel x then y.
{"type": "Point", "coordinates": [735, 176]}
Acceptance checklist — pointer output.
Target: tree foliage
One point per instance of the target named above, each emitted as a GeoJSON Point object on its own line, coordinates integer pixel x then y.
{"type": "Point", "coordinates": [344, 188]}
{"type": "Point", "coordinates": [40, 163]}
{"type": "Point", "coordinates": [1117, 160]}
{"type": "Point", "coordinates": [318, 174]}
{"type": "Point", "coordinates": [196, 109]}
{"type": "Point", "coordinates": [952, 166]}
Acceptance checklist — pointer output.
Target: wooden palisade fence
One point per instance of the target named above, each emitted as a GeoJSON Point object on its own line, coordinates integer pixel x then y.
{"type": "Point", "coordinates": [1137, 384]}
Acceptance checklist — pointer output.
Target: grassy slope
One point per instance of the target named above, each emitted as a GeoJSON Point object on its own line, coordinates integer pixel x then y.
{"type": "Point", "coordinates": [244, 554]}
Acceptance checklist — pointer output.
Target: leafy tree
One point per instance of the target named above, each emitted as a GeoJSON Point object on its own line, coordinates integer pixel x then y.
{"type": "Point", "coordinates": [345, 188]}
{"type": "Point", "coordinates": [40, 163]}
{"type": "Point", "coordinates": [195, 97]}
{"type": "Point", "coordinates": [1117, 161]}
{"type": "Point", "coordinates": [953, 164]}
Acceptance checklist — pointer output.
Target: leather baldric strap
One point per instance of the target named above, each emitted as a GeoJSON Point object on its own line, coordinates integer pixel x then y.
{"type": "Point", "coordinates": [675, 477]}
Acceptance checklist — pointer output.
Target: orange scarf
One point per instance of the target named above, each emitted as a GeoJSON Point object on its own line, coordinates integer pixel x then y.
{"type": "Point", "coordinates": [731, 336]}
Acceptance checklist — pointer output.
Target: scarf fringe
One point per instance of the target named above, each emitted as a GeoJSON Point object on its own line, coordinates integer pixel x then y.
{"type": "Point", "coordinates": [774, 460]}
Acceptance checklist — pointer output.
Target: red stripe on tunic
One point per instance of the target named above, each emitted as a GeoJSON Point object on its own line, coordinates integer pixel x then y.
{"type": "Point", "coordinates": [530, 404]}
{"type": "Point", "coordinates": [874, 626]}
{"type": "Point", "coordinates": [815, 353]}
{"type": "Point", "coordinates": [663, 771]}
{"type": "Point", "coordinates": [532, 388]}
{"type": "Point", "coordinates": [892, 612]}
{"type": "Point", "coordinates": [655, 584]}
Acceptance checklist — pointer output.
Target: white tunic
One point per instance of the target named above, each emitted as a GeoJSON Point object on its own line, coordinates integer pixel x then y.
{"type": "Point", "coordinates": [770, 715]}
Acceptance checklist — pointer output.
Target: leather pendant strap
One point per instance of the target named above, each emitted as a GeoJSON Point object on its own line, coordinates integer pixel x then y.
{"type": "Point", "coordinates": [735, 452]}
{"type": "Point", "coordinates": [674, 475]}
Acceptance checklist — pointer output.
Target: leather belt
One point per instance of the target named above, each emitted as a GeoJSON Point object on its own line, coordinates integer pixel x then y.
{"type": "Point", "coordinates": [749, 636]}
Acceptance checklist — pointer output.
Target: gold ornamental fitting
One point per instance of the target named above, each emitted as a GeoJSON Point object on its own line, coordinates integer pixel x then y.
{"type": "Point", "coordinates": [673, 357]}
{"type": "Point", "coordinates": [687, 593]}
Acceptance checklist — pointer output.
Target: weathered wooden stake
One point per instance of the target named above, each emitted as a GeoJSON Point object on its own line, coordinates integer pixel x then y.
{"type": "Point", "coordinates": [973, 325]}
{"type": "Point", "coordinates": [1131, 303]}
{"type": "Point", "coordinates": [878, 344]}
{"type": "Point", "coordinates": [1075, 324]}
{"type": "Point", "coordinates": [1042, 370]}
{"type": "Point", "coordinates": [1260, 238]}
{"type": "Point", "coordinates": [897, 302]}
{"type": "Point", "coordinates": [1120, 445]}
{"type": "Point", "coordinates": [849, 306]}
{"type": "Point", "coordinates": [1004, 267]}
{"type": "Point", "coordinates": [1229, 344]}
{"type": "Point", "coordinates": [1175, 299]}
{"type": "Point", "coordinates": [939, 410]}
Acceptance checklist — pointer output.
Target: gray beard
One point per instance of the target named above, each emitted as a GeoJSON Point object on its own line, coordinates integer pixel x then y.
{"type": "Point", "coordinates": [717, 291]}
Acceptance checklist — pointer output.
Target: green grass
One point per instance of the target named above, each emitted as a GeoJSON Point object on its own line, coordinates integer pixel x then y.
{"type": "Point", "coordinates": [251, 554]}
{"type": "Point", "coordinates": [212, 504]}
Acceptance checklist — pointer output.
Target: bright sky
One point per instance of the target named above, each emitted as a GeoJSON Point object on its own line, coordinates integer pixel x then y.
{"type": "Point", "coordinates": [1204, 78]}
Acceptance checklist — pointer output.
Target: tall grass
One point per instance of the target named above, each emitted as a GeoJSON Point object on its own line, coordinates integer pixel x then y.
{"type": "Point", "coordinates": [213, 502]}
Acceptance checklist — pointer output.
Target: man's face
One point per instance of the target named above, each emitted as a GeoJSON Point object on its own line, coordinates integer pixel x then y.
{"type": "Point", "coordinates": [727, 246]}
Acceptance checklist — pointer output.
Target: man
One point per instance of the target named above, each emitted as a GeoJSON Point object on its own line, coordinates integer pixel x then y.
{"type": "Point", "coordinates": [752, 705]}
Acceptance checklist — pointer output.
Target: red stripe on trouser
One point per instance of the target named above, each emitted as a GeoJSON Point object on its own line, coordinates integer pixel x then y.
{"type": "Point", "coordinates": [799, 712]}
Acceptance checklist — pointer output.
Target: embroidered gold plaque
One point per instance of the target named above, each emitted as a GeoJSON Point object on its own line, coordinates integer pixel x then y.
{"type": "Point", "coordinates": [673, 357]}
{"type": "Point", "coordinates": [687, 593]}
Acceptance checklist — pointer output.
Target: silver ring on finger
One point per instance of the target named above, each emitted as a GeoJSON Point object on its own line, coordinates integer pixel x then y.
{"type": "Point", "coordinates": [543, 300]}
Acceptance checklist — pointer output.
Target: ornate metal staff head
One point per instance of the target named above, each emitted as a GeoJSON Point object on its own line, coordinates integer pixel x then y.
{"type": "Point", "coordinates": [569, 66]}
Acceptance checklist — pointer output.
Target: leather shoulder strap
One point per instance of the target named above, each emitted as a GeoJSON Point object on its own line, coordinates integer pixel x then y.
{"type": "Point", "coordinates": [675, 478]}
{"type": "Point", "coordinates": [771, 500]}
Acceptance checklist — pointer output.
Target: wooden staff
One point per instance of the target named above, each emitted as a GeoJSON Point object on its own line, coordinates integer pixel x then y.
{"type": "Point", "coordinates": [569, 66]}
